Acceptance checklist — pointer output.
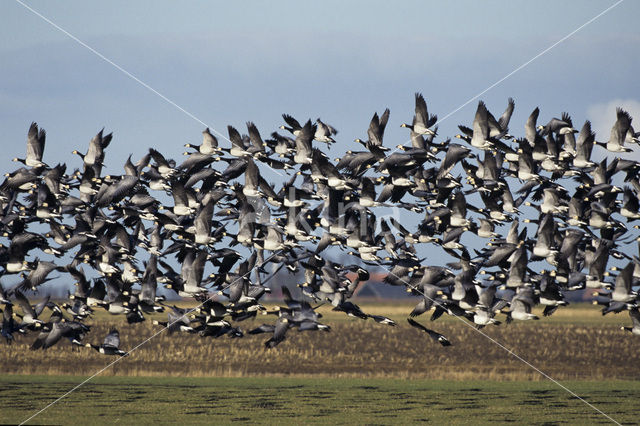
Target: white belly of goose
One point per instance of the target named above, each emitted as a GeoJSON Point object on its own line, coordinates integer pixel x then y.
{"type": "Point", "coordinates": [181, 210]}
{"type": "Point", "coordinates": [401, 181]}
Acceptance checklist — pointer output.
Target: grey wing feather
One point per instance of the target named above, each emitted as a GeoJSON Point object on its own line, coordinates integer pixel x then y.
{"type": "Point", "coordinates": [112, 339]}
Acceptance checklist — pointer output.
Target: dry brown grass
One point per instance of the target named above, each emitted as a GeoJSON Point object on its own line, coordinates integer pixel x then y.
{"type": "Point", "coordinates": [577, 344]}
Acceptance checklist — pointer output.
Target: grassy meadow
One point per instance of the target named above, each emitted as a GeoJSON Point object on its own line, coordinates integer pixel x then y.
{"type": "Point", "coordinates": [361, 372]}
{"type": "Point", "coordinates": [154, 400]}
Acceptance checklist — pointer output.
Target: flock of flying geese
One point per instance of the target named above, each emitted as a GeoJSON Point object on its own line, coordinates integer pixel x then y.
{"type": "Point", "coordinates": [164, 222]}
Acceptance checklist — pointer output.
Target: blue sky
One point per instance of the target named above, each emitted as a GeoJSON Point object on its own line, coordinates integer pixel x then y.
{"type": "Point", "coordinates": [228, 63]}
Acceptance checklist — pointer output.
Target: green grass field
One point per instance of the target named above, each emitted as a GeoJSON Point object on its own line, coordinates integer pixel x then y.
{"type": "Point", "coordinates": [295, 400]}
{"type": "Point", "coordinates": [360, 372]}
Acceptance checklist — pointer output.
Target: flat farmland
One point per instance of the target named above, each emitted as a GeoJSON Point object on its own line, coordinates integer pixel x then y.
{"type": "Point", "coordinates": [360, 372]}
{"type": "Point", "coordinates": [576, 343]}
